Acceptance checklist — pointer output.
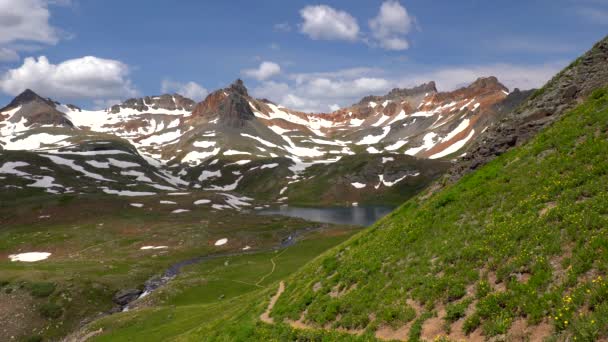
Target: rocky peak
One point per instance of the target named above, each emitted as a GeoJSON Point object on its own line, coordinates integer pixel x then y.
{"type": "Point", "coordinates": [27, 96]}
{"type": "Point", "coordinates": [37, 110]}
{"type": "Point", "coordinates": [230, 106]}
{"type": "Point", "coordinates": [239, 87]}
{"type": "Point", "coordinates": [487, 83]}
{"type": "Point", "coordinates": [169, 102]}
{"type": "Point", "coordinates": [428, 87]}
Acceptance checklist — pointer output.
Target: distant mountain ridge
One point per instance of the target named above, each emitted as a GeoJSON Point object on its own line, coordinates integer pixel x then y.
{"type": "Point", "coordinates": [216, 144]}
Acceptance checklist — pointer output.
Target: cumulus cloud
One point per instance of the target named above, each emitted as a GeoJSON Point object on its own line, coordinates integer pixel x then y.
{"type": "Point", "coordinates": [26, 20]}
{"type": "Point", "coordinates": [86, 77]}
{"type": "Point", "coordinates": [190, 90]}
{"type": "Point", "coordinates": [391, 25]}
{"type": "Point", "coordinates": [326, 23]}
{"type": "Point", "coordinates": [265, 71]}
{"type": "Point", "coordinates": [316, 92]}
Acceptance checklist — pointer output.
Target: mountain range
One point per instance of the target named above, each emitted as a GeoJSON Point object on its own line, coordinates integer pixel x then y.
{"type": "Point", "coordinates": [379, 150]}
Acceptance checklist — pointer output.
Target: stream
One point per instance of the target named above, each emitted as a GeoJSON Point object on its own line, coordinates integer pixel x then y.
{"type": "Point", "coordinates": [358, 216]}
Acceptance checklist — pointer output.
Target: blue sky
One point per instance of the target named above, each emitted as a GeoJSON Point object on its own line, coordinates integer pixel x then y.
{"type": "Point", "coordinates": [306, 55]}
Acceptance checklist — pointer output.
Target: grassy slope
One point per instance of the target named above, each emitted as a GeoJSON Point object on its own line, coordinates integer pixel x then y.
{"type": "Point", "coordinates": [85, 275]}
{"type": "Point", "coordinates": [524, 237]}
{"type": "Point", "coordinates": [330, 184]}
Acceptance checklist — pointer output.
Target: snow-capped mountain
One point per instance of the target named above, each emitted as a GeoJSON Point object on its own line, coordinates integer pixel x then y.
{"type": "Point", "coordinates": [230, 141]}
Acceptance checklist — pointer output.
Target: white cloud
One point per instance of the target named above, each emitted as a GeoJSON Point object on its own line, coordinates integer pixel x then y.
{"type": "Point", "coordinates": [334, 107]}
{"type": "Point", "coordinates": [26, 20]}
{"type": "Point", "coordinates": [265, 71]}
{"type": "Point", "coordinates": [511, 75]}
{"type": "Point", "coordinates": [326, 23]}
{"type": "Point", "coordinates": [190, 90]}
{"type": "Point", "coordinates": [86, 77]}
{"type": "Point", "coordinates": [316, 92]}
{"type": "Point", "coordinates": [391, 25]}
{"type": "Point", "coordinates": [8, 55]}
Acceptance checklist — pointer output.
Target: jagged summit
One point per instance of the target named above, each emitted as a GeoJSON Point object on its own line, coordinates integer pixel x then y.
{"type": "Point", "coordinates": [424, 88]}
{"type": "Point", "coordinates": [488, 83]}
{"type": "Point", "coordinates": [170, 102]}
{"type": "Point", "coordinates": [27, 96]}
{"type": "Point", "coordinates": [230, 106]}
{"type": "Point", "coordinates": [238, 86]}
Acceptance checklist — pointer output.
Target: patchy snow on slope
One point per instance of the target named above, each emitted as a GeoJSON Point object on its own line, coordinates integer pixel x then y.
{"type": "Point", "coordinates": [240, 162]}
{"type": "Point", "coordinates": [301, 151]}
{"type": "Point", "coordinates": [45, 182]}
{"type": "Point", "coordinates": [236, 202]}
{"type": "Point", "coordinates": [380, 121]}
{"type": "Point", "coordinates": [373, 150]}
{"type": "Point", "coordinates": [229, 187]}
{"type": "Point", "coordinates": [127, 192]}
{"type": "Point", "coordinates": [397, 145]}
{"type": "Point", "coordinates": [204, 144]}
{"type": "Point", "coordinates": [358, 185]}
{"type": "Point", "coordinates": [427, 144]}
{"type": "Point", "coordinates": [356, 122]}
{"type": "Point", "coordinates": [139, 176]}
{"type": "Point", "coordinates": [209, 174]}
{"type": "Point", "coordinates": [179, 211]}
{"type": "Point", "coordinates": [97, 164]}
{"type": "Point", "coordinates": [398, 117]}
{"type": "Point", "coordinates": [461, 127]}
{"type": "Point", "coordinates": [221, 242]}
{"type": "Point", "coordinates": [136, 205]}
{"type": "Point", "coordinates": [153, 247]}
{"type": "Point", "coordinates": [372, 104]}
{"type": "Point", "coordinates": [466, 104]}
{"type": "Point", "coordinates": [279, 130]}
{"type": "Point", "coordinates": [196, 157]}
{"type": "Point", "coordinates": [265, 142]}
{"type": "Point", "coordinates": [387, 159]}
{"type": "Point", "coordinates": [29, 256]}
{"type": "Point", "coordinates": [167, 202]}
{"type": "Point", "coordinates": [235, 152]}
{"type": "Point", "coordinates": [11, 168]}
{"type": "Point", "coordinates": [161, 139]}
{"type": "Point", "coordinates": [72, 164]}
{"type": "Point", "coordinates": [454, 147]}
{"type": "Point", "coordinates": [330, 142]}
{"type": "Point", "coordinates": [201, 201]}
{"type": "Point", "coordinates": [269, 166]}
{"type": "Point", "coordinates": [374, 139]}
{"type": "Point", "coordinates": [35, 141]}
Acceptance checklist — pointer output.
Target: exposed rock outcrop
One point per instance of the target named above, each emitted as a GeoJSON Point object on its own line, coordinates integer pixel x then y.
{"type": "Point", "coordinates": [545, 106]}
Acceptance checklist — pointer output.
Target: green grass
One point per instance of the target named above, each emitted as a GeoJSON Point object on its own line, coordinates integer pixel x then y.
{"type": "Point", "coordinates": [539, 211]}
{"type": "Point", "coordinates": [81, 276]}
{"type": "Point", "coordinates": [490, 234]}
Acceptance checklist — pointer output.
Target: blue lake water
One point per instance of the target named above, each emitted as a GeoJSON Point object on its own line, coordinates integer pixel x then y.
{"type": "Point", "coordinates": [360, 216]}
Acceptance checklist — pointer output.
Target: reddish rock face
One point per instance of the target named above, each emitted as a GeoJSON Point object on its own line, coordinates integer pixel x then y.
{"type": "Point", "coordinates": [230, 106]}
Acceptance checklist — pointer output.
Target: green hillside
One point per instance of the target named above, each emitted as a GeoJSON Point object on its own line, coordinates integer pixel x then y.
{"type": "Point", "coordinates": [519, 247]}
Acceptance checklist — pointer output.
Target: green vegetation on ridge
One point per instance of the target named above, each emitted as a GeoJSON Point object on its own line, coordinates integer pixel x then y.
{"type": "Point", "coordinates": [523, 241]}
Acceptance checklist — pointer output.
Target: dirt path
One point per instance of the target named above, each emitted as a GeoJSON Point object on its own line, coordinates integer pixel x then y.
{"type": "Point", "coordinates": [265, 317]}
{"type": "Point", "coordinates": [274, 266]}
